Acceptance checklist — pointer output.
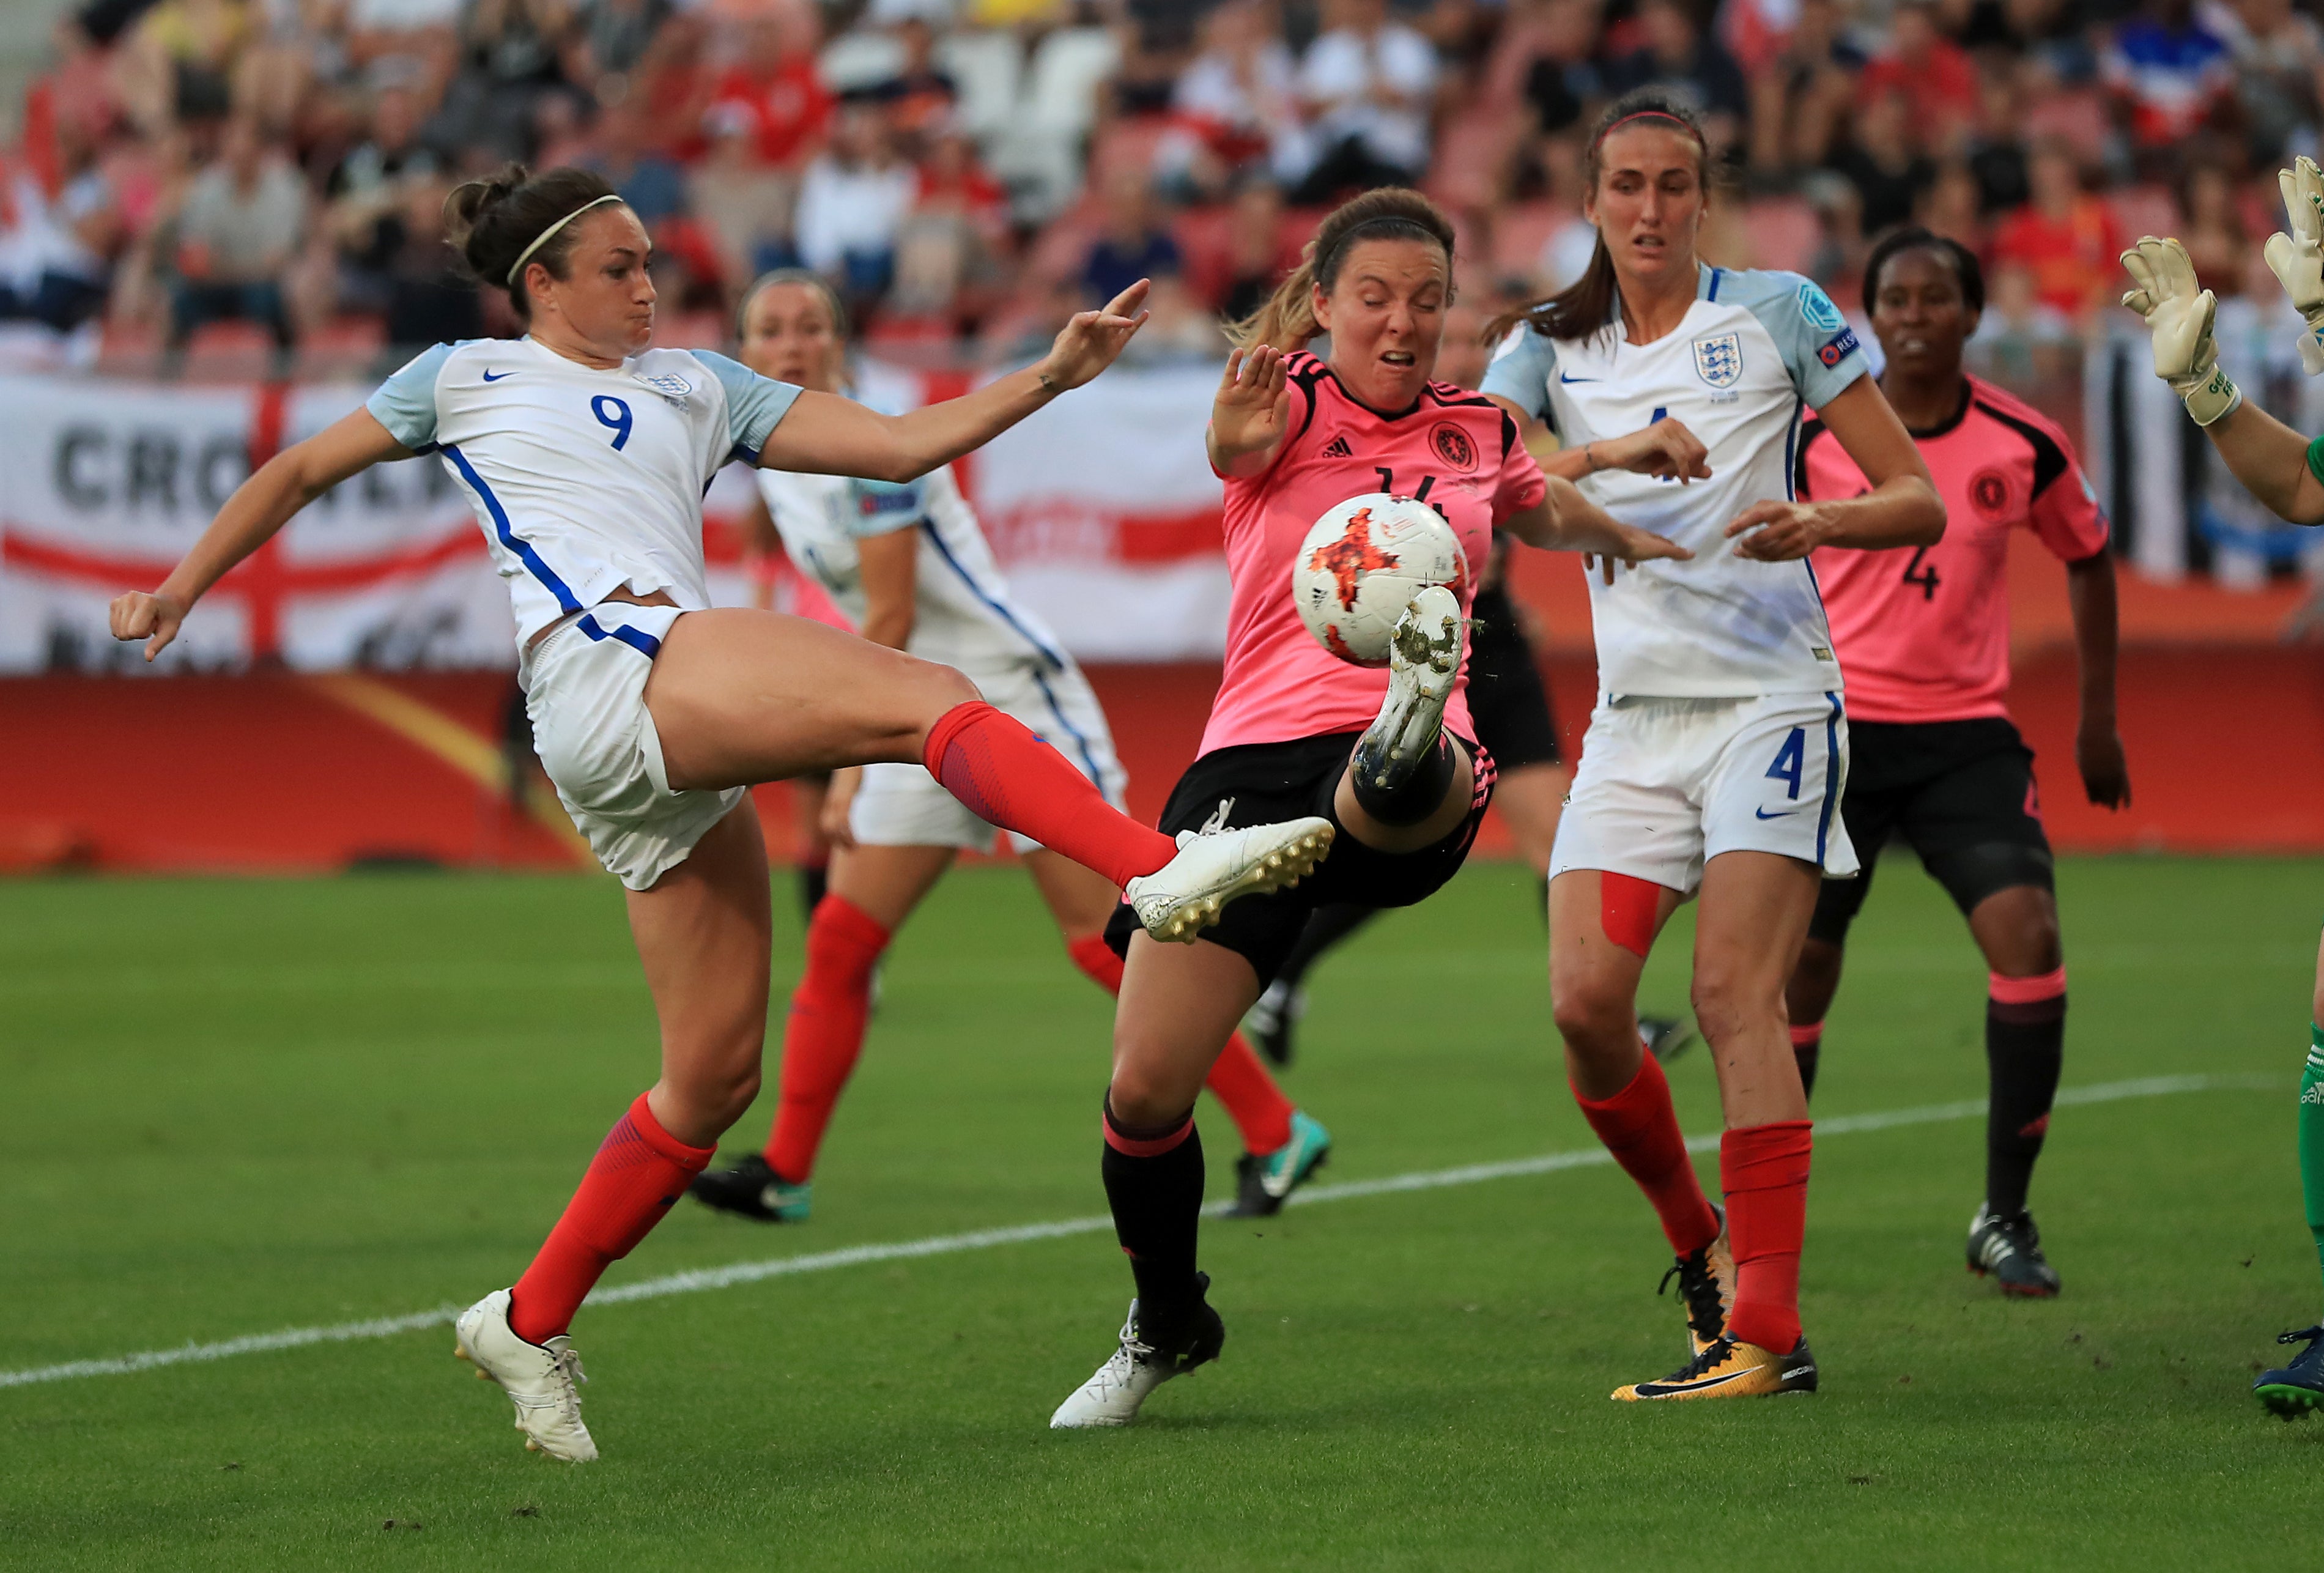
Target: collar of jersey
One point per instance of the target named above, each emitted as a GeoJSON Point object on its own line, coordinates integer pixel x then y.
{"type": "Point", "coordinates": [1348, 393]}
{"type": "Point", "coordinates": [1702, 272]}
{"type": "Point", "coordinates": [1952, 422]}
{"type": "Point", "coordinates": [628, 365]}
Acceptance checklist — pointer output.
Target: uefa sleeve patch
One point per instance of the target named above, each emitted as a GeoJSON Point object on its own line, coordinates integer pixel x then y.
{"type": "Point", "coordinates": [1817, 308]}
{"type": "Point", "coordinates": [1840, 348]}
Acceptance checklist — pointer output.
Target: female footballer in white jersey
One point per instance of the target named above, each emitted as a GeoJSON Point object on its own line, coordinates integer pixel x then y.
{"type": "Point", "coordinates": [909, 565]}
{"type": "Point", "coordinates": [1715, 758]}
{"type": "Point", "coordinates": [584, 456]}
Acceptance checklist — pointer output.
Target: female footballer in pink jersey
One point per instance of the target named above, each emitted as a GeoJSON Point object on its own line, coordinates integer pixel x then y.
{"type": "Point", "coordinates": [1714, 759]}
{"type": "Point", "coordinates": [1398, 775]}
{"type": "Point", "coordinates": [1933, 757]}
{"type": "Point", "coordinates": [585, 454]}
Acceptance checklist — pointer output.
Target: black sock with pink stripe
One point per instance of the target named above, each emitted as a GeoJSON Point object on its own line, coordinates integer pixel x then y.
{"type": "Point", "coordinates": [1154, 1183]}
{"type": "Point", "coordinates": [2024, 1049]}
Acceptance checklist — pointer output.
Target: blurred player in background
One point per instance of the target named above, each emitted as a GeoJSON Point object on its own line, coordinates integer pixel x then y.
{"type": "Point", "coordinates": [1715, 758]}
{"type": "Point", "coordinates": [584, 456]}
{"type": "Point", "coordinates": [1932, 756]}
{"type": "Point", "coordinates": [2286, 470]}
{"type": "Point", "coordinates": [1389, 758]}
{"type": "Point", "coordinates": [910, 567]}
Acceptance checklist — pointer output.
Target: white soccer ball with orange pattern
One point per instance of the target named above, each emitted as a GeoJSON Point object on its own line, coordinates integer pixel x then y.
{"type": "Point", "coordinates": [1362, 564]}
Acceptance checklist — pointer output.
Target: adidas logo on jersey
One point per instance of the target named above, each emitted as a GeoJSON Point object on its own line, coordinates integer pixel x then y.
{"type": "Point", "coordinates": [1338, 448]}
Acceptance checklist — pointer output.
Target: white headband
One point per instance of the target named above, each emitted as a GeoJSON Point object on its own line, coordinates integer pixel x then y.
{"type": "Point", "coordinates": [544, 237]}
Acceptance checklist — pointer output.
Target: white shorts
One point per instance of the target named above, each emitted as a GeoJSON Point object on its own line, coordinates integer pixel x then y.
{"type": "Point", "coordinates": [901, 806]}
{"type": "Point", "coordinates": [1666, 784]}
{"type": "Point", "coordinates": [585, 687]}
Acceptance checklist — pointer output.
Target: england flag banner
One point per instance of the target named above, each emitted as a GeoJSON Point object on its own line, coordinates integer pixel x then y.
{"type": "Point", "coordinates": [1100, 507]}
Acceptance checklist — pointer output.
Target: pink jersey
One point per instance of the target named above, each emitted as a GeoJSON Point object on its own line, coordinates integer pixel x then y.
{"type": "Point", "coordinates": [1923, 634]}
{"type": "Point", "coordinates": [1454, 450]}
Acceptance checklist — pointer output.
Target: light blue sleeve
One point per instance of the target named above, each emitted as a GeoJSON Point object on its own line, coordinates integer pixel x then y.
{"type": "Point", "coordinates": [753, 403]}
{"type": "Point", "coordinates": [1818, 346]}
{"type": "Point", "coordinates": [1521, 369]}
{"type": "Point", "coordinates": [883, 506]}
{"type": "Point", "coordinates": [406, 402]}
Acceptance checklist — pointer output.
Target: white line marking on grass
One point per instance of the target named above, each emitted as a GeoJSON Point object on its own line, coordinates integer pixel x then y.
{"type": "Point", "coordinates": [706, 1278]}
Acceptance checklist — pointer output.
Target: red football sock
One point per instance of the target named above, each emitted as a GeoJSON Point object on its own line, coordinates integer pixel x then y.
{"type": "Point", "coordinates": [1239, 1078]}
{"type": "Point", "coordinates": [638, 1174]}
{"type": "Point", "coordinates": [1008, 778]}
{"type": "Point", "coordinates": [825, 1032]}
{"type": "Point", "coordinates": [1764, 1170]}
{"type": "Point", "coordinates": [1640, 1128]}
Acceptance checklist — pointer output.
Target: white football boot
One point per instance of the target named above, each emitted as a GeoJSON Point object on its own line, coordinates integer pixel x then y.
{"type": "Point", "coordinates": [1424, 657]}
{"type": "Point", "coordinates": [1181, 897]}
{"type": "Point", "coordinates": [542, 1380]}
{"type": "Point", "coordinates": [1111, 1397]}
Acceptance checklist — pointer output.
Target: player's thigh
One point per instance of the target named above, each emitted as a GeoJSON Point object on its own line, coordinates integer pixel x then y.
{"type": "Point", "coordinates": [1080, 900]}
{"type": "Point", "coordinates": [1178, 1004]}
{"type": "Point", "coordinates": [1749, 924]}
{"type": "Point", "coordinates": [887, 884]}
{"type": "Point", "coordinates": [704, 935]}
{"type": "Point", "coordinates": [740, 697]}
{"type": "Point", "coordinates": [1602, 927]}
{"type": "Point", "coordinates": [1977, 827]}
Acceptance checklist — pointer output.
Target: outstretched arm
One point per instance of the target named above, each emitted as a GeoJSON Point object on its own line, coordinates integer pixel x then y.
{"type": "Point", "coordinates": [1902, 510]}
{"type": "Point", "coordinates": [825, 435]}
{"type": "Point", "coordinates": [1564, 521]}
{"type": "Point", "coordinates": [2271, 460]}
{"type": "Point", "coordinates": [2267, 455]}
{"type": "Point", "coordinates": [259, 507]}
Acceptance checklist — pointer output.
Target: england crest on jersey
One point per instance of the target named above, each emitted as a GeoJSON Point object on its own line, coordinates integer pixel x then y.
{"type": "Point", "coordinates": [669, 385]}
{"type": "Point", "coordinates": [1718, 359]}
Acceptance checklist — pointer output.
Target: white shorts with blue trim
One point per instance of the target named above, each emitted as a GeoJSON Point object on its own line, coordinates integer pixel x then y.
{"type": "Point", "coordinates": [585, 687]}
{"type": "Point", "coordinates": [901, 806]}
{"type": "Point", "coordinates": [1666, 784]}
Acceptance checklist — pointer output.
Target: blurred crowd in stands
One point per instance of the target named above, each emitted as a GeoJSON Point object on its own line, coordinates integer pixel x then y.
{"type": "Point", "coordinates": [265, 177]}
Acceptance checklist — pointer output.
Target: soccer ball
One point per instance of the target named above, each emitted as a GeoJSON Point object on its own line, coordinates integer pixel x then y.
{"type": "Point", "coordinates": [1362, 564]}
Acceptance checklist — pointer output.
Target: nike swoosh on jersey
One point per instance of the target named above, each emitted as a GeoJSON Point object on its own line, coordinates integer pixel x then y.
{"type": "Point", "coordinates": [1569, 377]}
{"type": "Point", "coordinates": [1786, 813]}
{"type": "Point", "coordinates": [489, 378]}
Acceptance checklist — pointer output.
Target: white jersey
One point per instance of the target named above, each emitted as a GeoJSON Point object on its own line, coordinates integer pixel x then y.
{"type": "Point", "coordinates": [586, 482]}
{"type": "Point", "coordinates": [964, 613]}
{"type": "Point", "coordinates": [1754, 349]}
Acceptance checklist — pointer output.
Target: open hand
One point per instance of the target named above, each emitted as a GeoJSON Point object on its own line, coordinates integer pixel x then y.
{"type": "Point", "coordinates": [838, 806]}
{"type": "Point", "coordinates": [1252, 407]}
{"type": "Point", "coordinates": [1776, 532]}
{"type": "Point", "coordinates": [155, 618]}
{"type": "Point", "coordinates": [1089, 342]}
{"type": "Point", "coordinates": [2297, 259]}
{"type": "Point", "coordinates": [2178, 314]}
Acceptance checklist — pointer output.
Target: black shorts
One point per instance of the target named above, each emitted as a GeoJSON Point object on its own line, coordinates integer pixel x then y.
{"type": "Point", "coordinates": [1960, 794]}
{"type": "Point", "coordinates": [1506, 696]}
{"type": "Point", "coordinates": [1266, 783]}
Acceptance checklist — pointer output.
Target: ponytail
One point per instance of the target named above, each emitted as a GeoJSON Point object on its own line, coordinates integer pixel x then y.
{"type": "Point", "coordinates": [1584, 307]}
{"type": "Point", "coordinates": [1287, 320]}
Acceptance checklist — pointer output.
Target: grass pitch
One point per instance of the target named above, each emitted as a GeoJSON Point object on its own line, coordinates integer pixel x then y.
{"type": "Point", "coordinates": [236, 1107]}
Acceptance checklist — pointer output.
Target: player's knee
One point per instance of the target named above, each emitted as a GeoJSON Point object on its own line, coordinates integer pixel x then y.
{"type": "Point", "coordinates": [1591, 1017]}
{"type": "Point", "coordinates": [946, 686]}
{"type": "Point", "coordinates": [1730, 1002]}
